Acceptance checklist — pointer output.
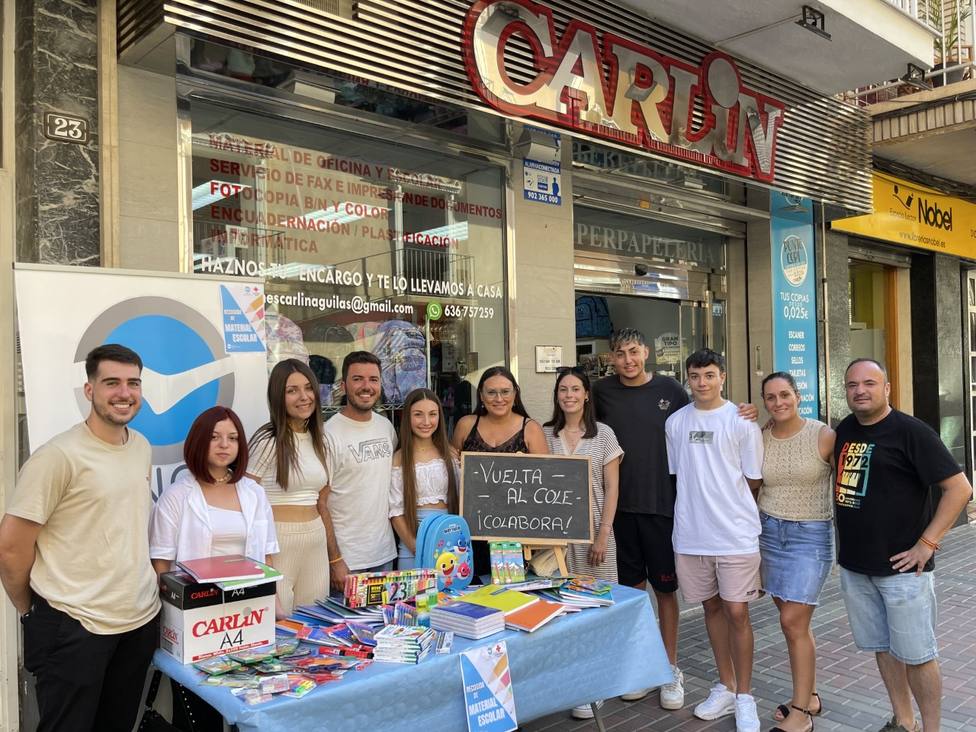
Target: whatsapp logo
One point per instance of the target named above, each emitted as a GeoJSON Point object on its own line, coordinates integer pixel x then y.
{"type": "Point", "coordinates": [434, 311]}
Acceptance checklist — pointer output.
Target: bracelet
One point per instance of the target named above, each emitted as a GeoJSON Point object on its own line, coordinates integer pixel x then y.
{"type": "Point", "coordinates": [930, 544]}
{"type": "Point", "coordinates": [337, 559]}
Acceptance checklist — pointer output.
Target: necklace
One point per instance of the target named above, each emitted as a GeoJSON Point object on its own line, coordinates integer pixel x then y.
{"type": "Point", "coordinates": [224, 479]}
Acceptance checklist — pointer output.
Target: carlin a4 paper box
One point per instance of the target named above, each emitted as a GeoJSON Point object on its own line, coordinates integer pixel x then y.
{"type": "Point", "coordinates": [201, 620]}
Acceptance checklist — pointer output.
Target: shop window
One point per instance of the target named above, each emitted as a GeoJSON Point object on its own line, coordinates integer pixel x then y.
{"type": "Point", "coordinates": [363, 244]}
{"type": "Point", "coordinates": [244, 68]}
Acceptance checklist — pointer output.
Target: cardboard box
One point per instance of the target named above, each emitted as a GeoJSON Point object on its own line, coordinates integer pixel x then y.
{"type": "Point", "coordinates": [201, 620]}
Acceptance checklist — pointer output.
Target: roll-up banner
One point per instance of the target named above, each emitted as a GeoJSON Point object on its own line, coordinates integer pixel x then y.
{"type": "Point", "coordinates": [201, 339]}
{"type": "Point", "coordinates": [795, 296]}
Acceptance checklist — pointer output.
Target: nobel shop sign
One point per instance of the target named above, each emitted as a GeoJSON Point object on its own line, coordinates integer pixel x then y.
{"type": "Point", "coordinates": [915, 216]}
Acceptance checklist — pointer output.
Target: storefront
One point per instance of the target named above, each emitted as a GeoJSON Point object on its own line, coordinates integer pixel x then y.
{"type": "Point", "coordinates": [451, 185]}
{"type": "Point", "coordinates": [911, 288]}
{"type": "Point", "coordinates": [384, 177]}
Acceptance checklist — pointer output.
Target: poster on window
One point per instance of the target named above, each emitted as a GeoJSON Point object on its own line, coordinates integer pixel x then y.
{"type": "Point", "coordinates": [179, 327]}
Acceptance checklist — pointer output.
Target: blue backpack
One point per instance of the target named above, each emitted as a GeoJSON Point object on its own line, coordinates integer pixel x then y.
{"type": "Point", "coordinates": [592, 317]}
{"type": "Point", "coordinates": [402, 350]}
{"type": "Point", "coordinates": [444, 545]}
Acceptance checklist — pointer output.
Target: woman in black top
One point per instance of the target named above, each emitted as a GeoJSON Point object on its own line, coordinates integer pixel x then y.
{"type": "Point", "coordinates": [499, 424]}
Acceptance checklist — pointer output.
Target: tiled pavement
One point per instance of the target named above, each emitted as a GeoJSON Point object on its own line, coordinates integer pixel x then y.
{"type": "Point", "coordinates": [848, 680]}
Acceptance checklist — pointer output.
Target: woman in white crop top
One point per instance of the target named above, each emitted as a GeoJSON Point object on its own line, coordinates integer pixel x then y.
{"type": "Point", "coordinates": [288, 460]}
{"type": "Point", "coordinates": [213, 509]}
{"type": "Point", "coordinates": [424, 479]}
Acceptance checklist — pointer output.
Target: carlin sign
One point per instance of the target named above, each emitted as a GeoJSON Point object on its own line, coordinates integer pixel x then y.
{"type": "Point", "coordinates": [646, 100]}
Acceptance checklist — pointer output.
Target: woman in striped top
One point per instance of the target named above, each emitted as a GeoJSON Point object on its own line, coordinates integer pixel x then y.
{"type": "Point", "coordinates": [573, 430]}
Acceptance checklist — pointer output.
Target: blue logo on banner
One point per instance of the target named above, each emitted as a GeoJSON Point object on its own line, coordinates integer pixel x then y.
{"type": "Point", "coordinates": [168, 347]}
{"type": "Point", "coordinates": [172, 340]}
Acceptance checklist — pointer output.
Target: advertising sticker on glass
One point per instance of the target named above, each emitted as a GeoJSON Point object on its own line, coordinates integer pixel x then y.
{"type": "Point", "coordinates": [363, 245]}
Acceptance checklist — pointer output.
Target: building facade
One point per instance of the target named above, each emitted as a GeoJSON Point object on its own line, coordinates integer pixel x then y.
{"type": "Point", "coordinates": [456, 185]}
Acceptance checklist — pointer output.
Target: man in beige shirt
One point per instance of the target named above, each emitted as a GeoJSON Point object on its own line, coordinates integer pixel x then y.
{"type": "Point", "coordinates": [74, 557]}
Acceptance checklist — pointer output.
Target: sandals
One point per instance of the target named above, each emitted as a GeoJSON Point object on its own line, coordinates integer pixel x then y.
{"type": "Point", "coordinates": [783, 711]}
{"type": "Point", "coordinates": [807, 712]}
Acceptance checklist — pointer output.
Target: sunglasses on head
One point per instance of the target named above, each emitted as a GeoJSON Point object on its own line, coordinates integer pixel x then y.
{"type": "Point", "coordinates": [570, 370]}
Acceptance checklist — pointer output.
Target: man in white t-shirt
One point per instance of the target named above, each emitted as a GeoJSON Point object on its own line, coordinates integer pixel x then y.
{"type": "Point", "coordinates": [360, 445]}
{"type": "Point", "coordinates": [717, 457]}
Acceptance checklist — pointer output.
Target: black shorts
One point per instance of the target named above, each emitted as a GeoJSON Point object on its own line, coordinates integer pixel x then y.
{"type": "Point", "coordinates": [644, 550]}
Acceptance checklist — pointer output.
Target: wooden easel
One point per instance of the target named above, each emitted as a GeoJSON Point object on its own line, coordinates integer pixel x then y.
{"type": "Point", "coordinates": [559, 549]}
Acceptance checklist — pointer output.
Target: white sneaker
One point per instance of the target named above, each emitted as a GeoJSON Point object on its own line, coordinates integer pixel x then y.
{"type": "Point", "coordinates": [720, 703]}
{"type": "Point", "coordinates": [673, 694]}
{"type": "Point", "coordinates": [636, 695]}
{"type": "Point", "coordinates": [585, 711]}
{"type": "Point", "coordinates": [746, 716]}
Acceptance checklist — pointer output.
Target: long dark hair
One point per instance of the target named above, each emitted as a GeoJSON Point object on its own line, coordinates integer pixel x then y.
{"type": "Point", "coordinates": [517, 406]}
{"type": "Point", "coordinates": [408, 461]}
{"type": "Point", "coordinates": [785, 376]}
{"type": "Point", "coordinates": [558, 420]}
{"type": "Point", "coordinates": [278, 430]}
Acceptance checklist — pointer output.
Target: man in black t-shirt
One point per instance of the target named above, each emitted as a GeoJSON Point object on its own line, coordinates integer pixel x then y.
{"type": "Point", "coordinates": [888, 532]}
{"type": "Point", "coordinates": [636, 404]}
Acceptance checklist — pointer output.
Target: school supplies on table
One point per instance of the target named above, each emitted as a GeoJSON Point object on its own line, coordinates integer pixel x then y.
{"type": "Point", "coordinates": [499, 598]}
{"type": "Point", "coordinates": [403, 643]}
{"type": "Point", "coordinates": [534, 616]}
{"type": "Point", "coordinates": [383, 588]}
{"type": "Point", "coordinates": [467, 620]}
{"type": "Point", "coordinates": [507, 562]}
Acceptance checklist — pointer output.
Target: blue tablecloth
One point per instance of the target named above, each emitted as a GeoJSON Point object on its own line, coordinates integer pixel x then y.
{"type": "Point", "coordinates": [596, 654]}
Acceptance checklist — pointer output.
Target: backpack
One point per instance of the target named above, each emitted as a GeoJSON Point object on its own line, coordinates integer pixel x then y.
{"type": "Point", "coordinates": [592, 317]}
{"type": "Point", "coordinates": [444, 545]}
{"type": "Point", "coordinates": [402, 351]}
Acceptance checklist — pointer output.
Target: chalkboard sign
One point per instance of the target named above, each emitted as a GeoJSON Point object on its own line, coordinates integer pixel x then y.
{"type": "Point", "coordinates": [538, 499]}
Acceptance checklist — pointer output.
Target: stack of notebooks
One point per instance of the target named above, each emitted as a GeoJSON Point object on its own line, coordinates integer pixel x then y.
{"type": "Point", "coordinates": [467, 619]}
{"type": "Point", "coordinates": [500, 598]}
{"type": "Point", "coordinates": [403, 643]}
{"type": "Point", "coordinates": [585, 592]}
{"type": "Point", "coordinates": [532, 617]}
{"type": "Point", "coordinates": [229, 572]}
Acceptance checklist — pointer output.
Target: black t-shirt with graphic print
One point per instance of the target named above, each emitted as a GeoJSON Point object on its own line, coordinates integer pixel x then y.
{"type": "Point", "coordinates": [637, 414]}
{"type": "Point", "coordinates": [881, 489]}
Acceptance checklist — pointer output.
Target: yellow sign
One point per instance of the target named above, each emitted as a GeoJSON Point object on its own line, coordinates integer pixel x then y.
{"type": "Point", "coordinates": [915, 216]}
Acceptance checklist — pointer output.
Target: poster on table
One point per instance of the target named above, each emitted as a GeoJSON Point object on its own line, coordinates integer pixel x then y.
{"type": "Point", "coordinates": [489, 699]}
{"type": "Point", "coordinates": [201, 340]}
{"type": "Point", "coordinates": [795, 296]}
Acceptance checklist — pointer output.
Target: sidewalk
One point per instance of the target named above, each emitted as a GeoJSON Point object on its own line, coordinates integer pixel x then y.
{"type": "Point", "coordinates": [848, 680]}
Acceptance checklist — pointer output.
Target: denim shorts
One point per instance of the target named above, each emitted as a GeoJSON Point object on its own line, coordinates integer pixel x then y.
{"type": "Point", "coordinates": [796, 558]}
{"type": "Point", "coordinates": [895, 614]}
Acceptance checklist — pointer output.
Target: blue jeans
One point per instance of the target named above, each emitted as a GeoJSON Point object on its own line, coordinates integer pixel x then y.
{"type": "Point", "coordinates": [796, 557]}
{"type": "Point", "coordinates": [895, 614]}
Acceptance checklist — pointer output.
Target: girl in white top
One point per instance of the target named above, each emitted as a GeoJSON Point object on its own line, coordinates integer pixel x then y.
{"type": "Point", "coordinates": [425, 475]}
{"type": "Point", "coordinates": [213, 509]}
{"type": "Point", "coordinates": [288, 459]}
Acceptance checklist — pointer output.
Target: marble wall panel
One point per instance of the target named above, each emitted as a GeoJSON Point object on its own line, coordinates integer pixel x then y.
{"type": "Point", "coordinates": [57, 182]}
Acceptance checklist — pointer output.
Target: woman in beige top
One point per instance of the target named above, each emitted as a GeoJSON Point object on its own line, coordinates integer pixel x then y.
{"type": "Point", "coordinates": [796, 544]}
